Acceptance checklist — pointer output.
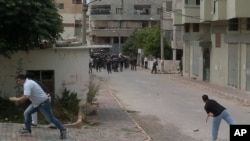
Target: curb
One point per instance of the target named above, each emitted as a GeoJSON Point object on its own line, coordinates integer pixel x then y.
{"type": "Point", "coordinates": [243, 101]}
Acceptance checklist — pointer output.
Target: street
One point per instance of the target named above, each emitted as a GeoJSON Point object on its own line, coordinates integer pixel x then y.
{"type": "Point", "coordinates": [168, 110]}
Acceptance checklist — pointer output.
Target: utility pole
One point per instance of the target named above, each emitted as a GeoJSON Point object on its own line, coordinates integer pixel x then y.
{"type": "Point", "coordinates": [162, 39]}
{"type": "Point", "coordinates": [84, 17]}
{"type": "Point", "coordinates": [161, 30]}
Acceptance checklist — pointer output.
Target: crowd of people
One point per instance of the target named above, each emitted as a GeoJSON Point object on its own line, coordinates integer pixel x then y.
{"type": "Point", "coordinates": [111, 63]}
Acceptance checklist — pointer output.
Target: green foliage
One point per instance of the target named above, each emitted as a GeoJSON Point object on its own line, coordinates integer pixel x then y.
{"type": "Point", "coordinates": [26, 23]}
{"type": "Point", "coordinates": [11, 111]}
{"type": "Point", "coordinates": [93, 90]}
{"type": "Point", "coordinates": [65, 108]}
{"type": "Point", "coordinates": [149, 40]}
{"type": "Point", "coordinates": [66, 105]}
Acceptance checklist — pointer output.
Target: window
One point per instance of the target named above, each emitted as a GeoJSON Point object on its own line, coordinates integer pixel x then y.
{"type": "Point", "coordinates": [187, 28]}
{"type": "Point", "coordinates": [142, 10]}
{"type": "Point", "coordinates": [233, 25]}
{"type": "Point", "coordinates": [159, 10]}
{"type": "Point", "coordinates": [169, 6]}
{"type": "Point", "coordinates": [77, 1]}
{"type": "Point", "coordinates": [192, 2]}
{"type": "Point", "coordinates": [60, 5]}
{"type": "Point", "coordinates": [119, 11]}
{"type": "Point", "coordinates": [196, 27]}
{"type": "Point", "coordinates": [100, 9]}
{"type": "Point", "coordinates": [197, 2]}
{"type": "Point", "coordinates": [248, 24]}
{"type": "Point", "coordinates": [44, 76]}
{"type": "Point", "coordinates": [217, 40]}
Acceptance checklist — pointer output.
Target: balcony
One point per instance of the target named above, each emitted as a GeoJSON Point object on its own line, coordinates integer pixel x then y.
{"type": "Point", "coordinates": [177, 17]}
{"type": "Point", "coordinates": [241, 9]}
{"type": "Point", "coordinates": [111, 33]}
{"type": "Point", "coordinates": [219, 10]}
{"type": "Point", "coordinates": [205, 11]}
{"type": "Point", "coordinates": [177, 44]}
{"type": "Point", "coordinates": [191, 14]}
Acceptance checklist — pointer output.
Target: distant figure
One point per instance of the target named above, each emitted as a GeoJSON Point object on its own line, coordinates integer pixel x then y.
{"type": "Point", "coordinates": [145, 62]}
{"type": "Point", "coordinates": [90, 65]}
{"type": "Point", "coordinates": [121, 63]}
{"type": "Point", "coordinates": [109, 68]}
{"type": "Point", "coordinates": [154, 68]}
{"type": "Point", "coordinates": [180, 66]}
{"type": "Point", "coordinates": [134, 63]}
{"type": "Point", "coordinates": [218, 112]}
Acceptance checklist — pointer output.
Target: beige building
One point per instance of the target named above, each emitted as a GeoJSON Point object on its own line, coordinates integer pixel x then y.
{"type": "Point", "coordinates": [216, 40]}
{"type": "Point", "coordinates": [113, 21]}
{"type": "Point", "coordinates": [71, 12]}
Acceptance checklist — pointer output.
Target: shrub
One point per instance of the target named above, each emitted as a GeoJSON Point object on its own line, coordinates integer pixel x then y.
{"type": "Point", "coordinates": [66, 107]}
{"type": "Point", "coordinates": [93, 90]}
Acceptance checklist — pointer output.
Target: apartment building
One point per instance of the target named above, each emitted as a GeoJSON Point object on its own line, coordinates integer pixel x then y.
{"type": "Point", "coordinates": [113, 21]}
{"type": "Point", "coordinates": [71, 12]}
{"type": "Point", "coordinates": [216, 41]}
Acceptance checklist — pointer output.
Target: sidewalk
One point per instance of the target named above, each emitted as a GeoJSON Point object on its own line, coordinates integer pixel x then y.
{"type": "Point", "coordinates": [114, 125]}
{"type": "Point", "coordinates": [223, 91]}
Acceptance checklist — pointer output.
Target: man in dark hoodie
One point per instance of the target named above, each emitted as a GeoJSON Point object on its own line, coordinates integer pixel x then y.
{"type": "Point", "coordinates": [218, 112]}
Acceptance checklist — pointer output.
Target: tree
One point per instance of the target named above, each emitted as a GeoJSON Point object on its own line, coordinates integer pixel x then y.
{"type": "Point", "coordinates": [147, 39]}
{"type": "Point", "coordinates": [24, 24]}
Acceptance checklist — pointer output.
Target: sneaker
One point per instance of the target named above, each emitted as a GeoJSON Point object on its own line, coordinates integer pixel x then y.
{"type": "Point", "coordinates": [52, 126]}
{"type": "Point", "coordinates": [33, 125]}
{"type": "Point", "coordinates": [24, 132]}
{"type": "Point", "coordinates": [63, 134]}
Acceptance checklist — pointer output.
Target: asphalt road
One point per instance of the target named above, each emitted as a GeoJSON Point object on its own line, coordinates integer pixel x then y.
{"type": "Point", "coordinates": [169, 110]}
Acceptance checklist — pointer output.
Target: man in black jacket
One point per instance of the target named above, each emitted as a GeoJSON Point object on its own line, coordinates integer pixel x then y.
{"type": "Point", "coordinates": [218, 112]}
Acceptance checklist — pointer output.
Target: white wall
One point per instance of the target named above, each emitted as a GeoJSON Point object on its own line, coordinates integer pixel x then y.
{"type": "Point", "coordinates": [70, 66]}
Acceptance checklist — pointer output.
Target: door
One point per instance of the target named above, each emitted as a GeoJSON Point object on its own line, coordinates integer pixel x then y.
{"type": "Point", "coordinates": [206, 65]}
{"type": "Point", "coordinates": [248, 68]}
{"type": "Point", "coordinates": [233, 65]}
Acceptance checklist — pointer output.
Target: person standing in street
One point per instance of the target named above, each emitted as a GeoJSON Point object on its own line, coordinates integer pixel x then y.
{"type": "Point", "coordinates": [39, 102]}
{"type": "Point", "coordinates": [146, 62]}
{"type": "Point", "coordinates": [218, 112]}
{"type": "Point", "coordinates": [154, 68]}
{"type": "Point", "coordinates": [90, 64]}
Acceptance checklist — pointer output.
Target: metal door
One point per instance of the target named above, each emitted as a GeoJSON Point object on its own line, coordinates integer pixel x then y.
{"type": "Point", "coordinates": [187, 58]}
{"type": "Point", "coordinates": [195, 60]}
{"type": "Point", "coordinates": [248, 68]}
{"type": "Point", "coordinates": [233, 65]}
{"type": "Point", "coordinates": [206, 64]}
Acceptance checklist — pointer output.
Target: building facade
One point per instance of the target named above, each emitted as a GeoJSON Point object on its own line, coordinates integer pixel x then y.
{"type": "Point", "coordinates": [215, 41]}
{"type": "Point", "coordinates": [71, 12]}
{"type": "Point", "coordinates": [113, 21]}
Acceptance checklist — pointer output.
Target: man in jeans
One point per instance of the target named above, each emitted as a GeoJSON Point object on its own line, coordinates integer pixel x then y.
{"type": "Point", "coordinates": [39, 101]}
{"type": "Point", "coordinates": [218, 112]}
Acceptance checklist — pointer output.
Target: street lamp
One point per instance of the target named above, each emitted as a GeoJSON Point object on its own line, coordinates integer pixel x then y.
{"type": "Point", "coordinates": [84, 17]}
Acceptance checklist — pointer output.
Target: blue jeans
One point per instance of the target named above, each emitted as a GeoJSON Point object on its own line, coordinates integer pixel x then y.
{"type": "Point", "coordinates": [217, 120]}
{"type": "Point", "coordinates": [45, 109]}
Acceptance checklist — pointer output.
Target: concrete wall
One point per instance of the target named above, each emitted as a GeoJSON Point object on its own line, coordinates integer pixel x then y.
{"type": "Point", "coordinates": [70, 67]}
{"type": "Point", "coordinates": [170, 66]}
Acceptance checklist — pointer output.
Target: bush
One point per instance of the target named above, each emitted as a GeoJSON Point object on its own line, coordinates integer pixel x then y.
{"type": "Point", "coordinates": [11, 111]}
{"type": "Point", "coordinates": [93, 90]}
{"type": "Point", "coordinates": [66, 107]}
